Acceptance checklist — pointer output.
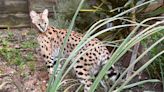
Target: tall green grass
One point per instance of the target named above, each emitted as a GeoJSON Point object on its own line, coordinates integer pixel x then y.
{"type": "Point", "coordinates": [53, 85]}
{"type": "Point", "coordinates": [130, 41]}
{"type": "Point", "coordinates": [125, 46]}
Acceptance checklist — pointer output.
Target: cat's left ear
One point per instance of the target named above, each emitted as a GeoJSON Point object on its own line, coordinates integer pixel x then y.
{"type": "Point", "coordinates": [45, 12]}
{"type": "Point", "coordinates": [33, 14]}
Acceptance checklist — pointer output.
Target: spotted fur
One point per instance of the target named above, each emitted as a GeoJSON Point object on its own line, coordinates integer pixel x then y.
{"type": "Point", "coordinates": [51, 39]}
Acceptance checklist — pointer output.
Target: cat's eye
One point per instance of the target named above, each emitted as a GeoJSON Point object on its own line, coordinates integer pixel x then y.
{"type": "Point", "coordinates": [39, 24]}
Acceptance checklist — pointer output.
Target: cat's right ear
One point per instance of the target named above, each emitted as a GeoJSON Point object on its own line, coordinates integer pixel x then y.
{"type": "Point", "coordinates": [33, 14]}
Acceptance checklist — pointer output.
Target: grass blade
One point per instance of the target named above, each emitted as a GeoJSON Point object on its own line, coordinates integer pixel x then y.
{"type": "Point", "coordinates": [139, 70]}
{"type": "Point", "coordinates": [55, 85]}
{"type": "Point", "coordinates": [140, 83]}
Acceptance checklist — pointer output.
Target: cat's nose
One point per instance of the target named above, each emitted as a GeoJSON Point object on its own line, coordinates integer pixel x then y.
{"type": "Point", "coordinates": [43, 26]}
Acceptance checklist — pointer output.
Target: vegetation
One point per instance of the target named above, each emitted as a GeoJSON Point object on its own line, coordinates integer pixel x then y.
{"type": "Point", "coordinates": [156, 68]}
{"type": "Point", "coordinates": [120, 19]}
{"type": "Point", "coordinates": [120, 24]}
{"type": "Point", "coordinates": [18, 54]}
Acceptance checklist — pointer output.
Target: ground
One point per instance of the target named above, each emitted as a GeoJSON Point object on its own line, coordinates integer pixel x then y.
{"type": "Point", "coordinates": [22, 70]}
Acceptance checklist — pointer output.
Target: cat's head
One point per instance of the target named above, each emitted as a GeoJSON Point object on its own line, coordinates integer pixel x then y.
{"type": "Point", "coordinates": [40, 20]}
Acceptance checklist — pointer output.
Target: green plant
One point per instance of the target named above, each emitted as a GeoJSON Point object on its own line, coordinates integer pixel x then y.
{"type": "Point", "coordinates": [125, 46]}
{"type": "Point", "coordinates": [29, 44]}
{"type": "Point", "coordinates": [15, 55]}
{"type": "Point", "coordinates": [154, 69]}
{"type": "Point", "coordinates": [54, 84]}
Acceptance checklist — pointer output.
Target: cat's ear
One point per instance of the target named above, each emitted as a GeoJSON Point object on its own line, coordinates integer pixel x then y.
{"type": "Point", "coordinates": [33, 14]}
{"type": "Point", "coordinates": [45, 12]}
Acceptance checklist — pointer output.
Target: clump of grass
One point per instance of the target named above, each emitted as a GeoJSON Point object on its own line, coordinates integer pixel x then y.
{"type": "Point", "coordinates": [16, 55]}
{"type": "Point", "coordinates": [29, 44]}
{"type": "Point", "coordinates": [31, 65]}
{"type": "Point", "coordinates": [13, 56]}
{"type": "Point", "coordinates": [154, 69]}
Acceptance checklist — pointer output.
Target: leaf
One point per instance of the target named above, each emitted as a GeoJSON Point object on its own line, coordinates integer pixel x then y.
{"type": "Point", "coordinates": [155, 12]}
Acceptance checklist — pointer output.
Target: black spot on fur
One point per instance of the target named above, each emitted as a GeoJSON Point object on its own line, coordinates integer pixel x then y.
{"type": "Point", "coordinates": [73, 45]}
{"type": "Point", "coordinates": [46, 48]}
{"type": "Point", "coordinates": [49, 61]}
{"type": "Point", "coordinates": [112, 74]}
{"type": "Point", "coordinates": [95, 49]}
{"type": "Point", "coordinates": [85, 64]}
{"type": "Point", "coordinates": [79, 66]}
{"type": "Point", "coordinates": [54, 30]}
{"type": "Point", "coordinates": [57, 36]}
{"type": "Point", "coordinates": [88, 85]}
{"type": "Point", "coordinates": [86, 74]}
{"type": "Point", "coordinates": [85, 69]}
{"type": "Point", "coordinates": [80, 73]}
{"type": "Point", "coordinates": [49, 66]}
{"type": "Point", "coordinates": [81, 58]}
{"type": "Point", "coordinates": [50, 33]}
{"type": "Point", "coordinates": [90, 59]}
{"type": "Point", "coordinates": [54, 63]}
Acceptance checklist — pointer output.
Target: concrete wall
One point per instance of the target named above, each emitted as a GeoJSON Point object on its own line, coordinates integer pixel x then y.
{"type": "Point", "coordinates": [15, 13]}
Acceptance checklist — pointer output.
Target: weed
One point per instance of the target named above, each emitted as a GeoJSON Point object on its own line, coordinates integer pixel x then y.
{"type": "Point", "coordinates": [29, 44]}
{"type": "Point", "coordinates": [154, 69]}
{"type": "Point", "coordinates": [17, 56]}
{"type": "Point", "coordinates": [31, 65]}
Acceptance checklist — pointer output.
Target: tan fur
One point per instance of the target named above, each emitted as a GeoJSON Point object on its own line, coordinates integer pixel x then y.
{"type": "Point", "coordinates": [51, 39]}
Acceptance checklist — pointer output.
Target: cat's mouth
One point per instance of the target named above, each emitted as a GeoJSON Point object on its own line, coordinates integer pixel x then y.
{"type": "Point", "coordinates": [42, 29]}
